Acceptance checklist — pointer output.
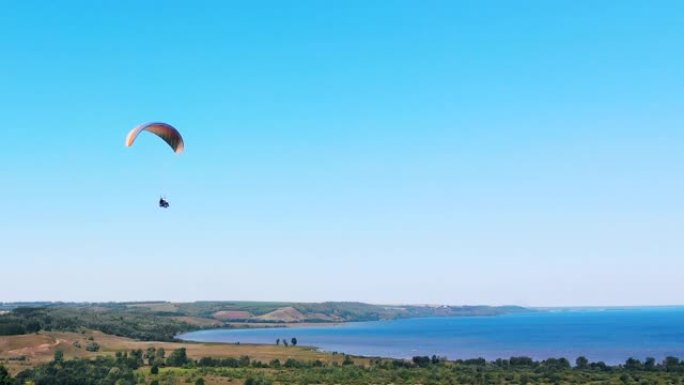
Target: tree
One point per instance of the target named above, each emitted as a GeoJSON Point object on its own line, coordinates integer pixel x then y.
{"type": "Point", "coordinates": [347, 361]}
{"type": "Point", "coordinates": [154, 369]}
{"type": "Point", "coordinates": [178, 357]}
{"type": "Point", "coordinates": [149, 355]}
{"type": "Point", "coordinates": [257, 381]}
{"type": "Point", "coordinates": [244, 361]}
{"type": "Point", "coordinates": [671, 363]}
{"type": "Point", "coordinates": [556, 363]}
{"type": "Point", "coordinates": [421, 361]}
{"type": "Point", "coordinates": [600, 366]}
{"type": "Point", "coordinates": [32, 326]}
{"type": "Point", "coordinates": [278, 341]}
{"type": "Point", "coordinates": [159, 357]}
{"type": "Point", "coordinates": [582, 362]}
{"type": "Point", "coordinates": [292, 363]}
{"type": "Point", "coordinates": [135, 359]}
{"type": "Point", "coordinates": [199, 381]}
{"type": "Point", "coordinates": [285, 342]}
{"type": "Point", "coordinates": [59, 357]}
{"type": "Point", "coordinates": [92, 346]}
{"type": "Point", "coordinates": [633, 364]}
{"type": "Point", "coordinates": [293, 341]}
{"type": "Point", "coordinates": [522, 361]}
{"type": "Point", "coordinates": [5, 378]}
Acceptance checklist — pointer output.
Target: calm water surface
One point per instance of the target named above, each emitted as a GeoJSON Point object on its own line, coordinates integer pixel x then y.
{"type": "Point", "coordinates": [609, 335]}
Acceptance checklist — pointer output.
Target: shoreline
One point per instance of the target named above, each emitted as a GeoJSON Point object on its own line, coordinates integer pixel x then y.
{"type": "Point", "coordinates": [405, 338]}
{"type": "Point", "coordinates": [276, 325]}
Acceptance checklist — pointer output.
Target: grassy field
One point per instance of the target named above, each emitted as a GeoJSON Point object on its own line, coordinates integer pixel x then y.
{"type": "Point", "coordinates": [24, 351]}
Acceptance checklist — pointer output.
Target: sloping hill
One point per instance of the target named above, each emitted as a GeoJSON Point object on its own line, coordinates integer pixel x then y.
{"type": "Point", "coordinates": [285, 314]}
{"type": "Point", "coordinates": [232, 315]}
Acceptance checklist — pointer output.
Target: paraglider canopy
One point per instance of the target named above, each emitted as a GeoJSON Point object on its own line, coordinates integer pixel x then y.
{"type": "Point", "coordinates": [163, 130]}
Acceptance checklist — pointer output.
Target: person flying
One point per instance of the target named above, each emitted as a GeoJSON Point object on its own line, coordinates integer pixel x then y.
{"type": "Point", "coordinates": [163, 203]}
{"type": "Point", "coordinates": [167, 133]}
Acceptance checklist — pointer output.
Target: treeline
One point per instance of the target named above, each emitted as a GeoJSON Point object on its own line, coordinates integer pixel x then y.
{"type": "Point", "coordinates": [24, 320]}
{"type": "Point", "coordinates": [669, 364]}
{"type": "Point", "coordinates": [178, 358]}
{"type": "Point", "coordinates": [125, 369]}
{"type": "Point", "coordinates": [98, 371]}
{"type": "Point", "coordinates": [157, 357]}
{"type": "Point", "coordinates": [123, 322]}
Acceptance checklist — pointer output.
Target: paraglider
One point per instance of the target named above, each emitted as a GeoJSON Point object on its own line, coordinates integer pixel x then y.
{"type": "Point", "coordinates": [167, 133]}
{"type": "Point", "coordinates": [163, 130]}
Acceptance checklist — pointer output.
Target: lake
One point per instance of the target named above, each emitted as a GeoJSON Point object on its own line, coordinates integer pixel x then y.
{"type": "Point", "coordinates": [609, 335]}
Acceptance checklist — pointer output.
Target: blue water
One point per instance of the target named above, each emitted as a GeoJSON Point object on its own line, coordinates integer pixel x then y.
{"type": "Point", "coordinates": [609, 335]}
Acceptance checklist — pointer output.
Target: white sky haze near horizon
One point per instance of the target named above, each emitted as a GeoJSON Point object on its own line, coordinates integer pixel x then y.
{"type": "Point", "coordinates": [429, 152]}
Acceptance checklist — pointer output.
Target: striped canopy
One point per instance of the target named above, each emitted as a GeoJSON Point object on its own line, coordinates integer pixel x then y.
{"type": "Point", "coordinates": [165, 131]}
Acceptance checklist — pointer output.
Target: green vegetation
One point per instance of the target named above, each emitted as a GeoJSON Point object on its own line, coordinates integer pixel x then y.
{"type": "Point", "coordinates": [102, 370]}
{"type": "Point", "coordinates": [115, 320]}
{"type": "Point", "coordinates": [5, 378]}
{"type": "Point", "coordinates": [126, 368]}
{"type": "Point", "coordinates": [162, 321]}
{"type": "Point", "coordinates": [92, 346]}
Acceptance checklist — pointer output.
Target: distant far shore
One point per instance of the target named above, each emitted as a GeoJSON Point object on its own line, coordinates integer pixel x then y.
{"type": "Point", "coordinates": [259, 325]}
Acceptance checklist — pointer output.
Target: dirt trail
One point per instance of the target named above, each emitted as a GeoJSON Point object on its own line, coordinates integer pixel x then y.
{"type": "Point", "coordinates": [38, 349]}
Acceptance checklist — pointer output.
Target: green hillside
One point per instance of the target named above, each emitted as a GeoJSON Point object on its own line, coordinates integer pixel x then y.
{"type": "Point", "coordinates": [162, 321]}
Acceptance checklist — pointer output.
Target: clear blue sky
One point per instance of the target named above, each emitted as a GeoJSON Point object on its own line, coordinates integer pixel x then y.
{"type": "Point", "coordinates": [459, 152]}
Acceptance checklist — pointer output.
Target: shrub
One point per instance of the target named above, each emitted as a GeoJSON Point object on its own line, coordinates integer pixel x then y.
{"type": "Point", "coordinates": [92, 346]}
